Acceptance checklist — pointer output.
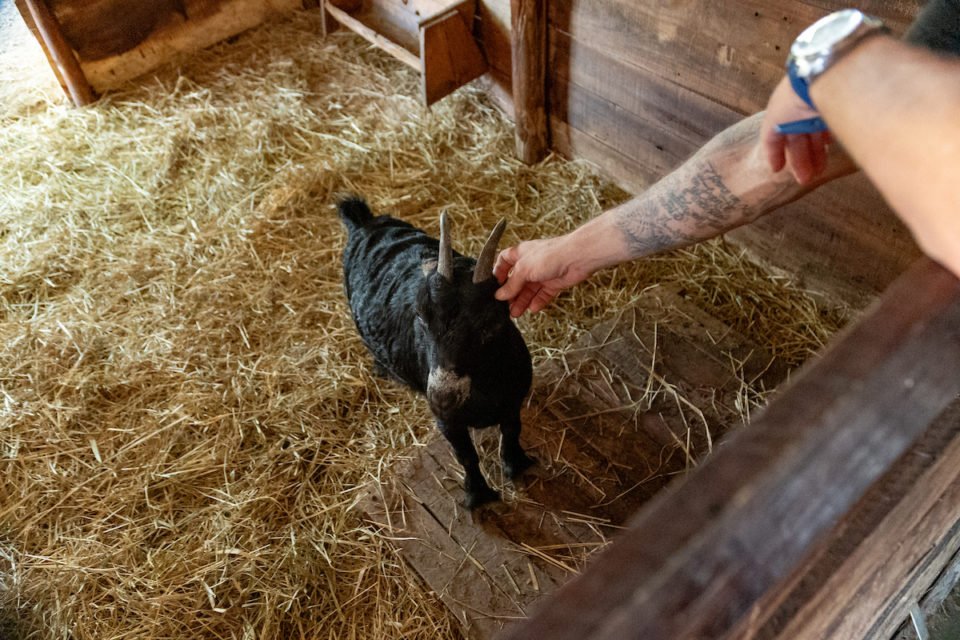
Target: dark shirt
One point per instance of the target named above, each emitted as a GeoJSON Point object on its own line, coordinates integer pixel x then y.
{"type": "Point", "coordinates": [937, 27]}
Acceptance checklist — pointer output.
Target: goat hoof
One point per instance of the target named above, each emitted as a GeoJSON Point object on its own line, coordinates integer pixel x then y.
{"type": "Point", "coordinates": [514, 468]}
{"type": "Point", "coordinates": [481, 497]}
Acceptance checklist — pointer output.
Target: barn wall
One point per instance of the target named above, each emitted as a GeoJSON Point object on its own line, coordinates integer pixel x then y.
{"type": "Point", "coordinates": [637, 87]}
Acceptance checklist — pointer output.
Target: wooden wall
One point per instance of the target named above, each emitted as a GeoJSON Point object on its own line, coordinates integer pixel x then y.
{"type": "Point", "coordinates": [115, 40]}
{"type": "Point", "coordinates": [637, 86]}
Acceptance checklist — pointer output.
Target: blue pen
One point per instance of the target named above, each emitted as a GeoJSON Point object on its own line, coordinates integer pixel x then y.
{"type": "Point", "coordinates": [810, 125]}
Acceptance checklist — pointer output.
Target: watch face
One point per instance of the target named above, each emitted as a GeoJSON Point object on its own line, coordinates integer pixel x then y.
{"type": "Point", "coordinates": [822, 35]}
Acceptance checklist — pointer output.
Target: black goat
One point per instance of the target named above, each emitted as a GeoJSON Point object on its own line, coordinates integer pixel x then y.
{"type": "Point", "coordinates": [429, 317]}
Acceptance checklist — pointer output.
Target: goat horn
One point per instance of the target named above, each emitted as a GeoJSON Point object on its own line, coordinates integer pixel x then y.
{"type": "Point", "coordinates": [445, 260]}
{"type": "Point", "coordinates": [484, 268]}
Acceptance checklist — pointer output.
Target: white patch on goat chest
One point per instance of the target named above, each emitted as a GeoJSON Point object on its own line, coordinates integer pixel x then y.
{"type": "Point", "coordinates": [444, 383]}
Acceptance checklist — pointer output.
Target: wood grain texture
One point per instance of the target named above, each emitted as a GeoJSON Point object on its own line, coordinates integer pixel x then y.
{"type": "Point", "coordinates": [180, 34]}
{"type": "Point", "coordinates": [98, 30]}
{"type": "Point", "coordinates": [377, 29]}
{"type": "Point", "coordinates": [529, 56]}
{"type": "Point", "coordinates": [607, 433]}
{"type": "Point", "coordinates": [638, 87]}
{"type": "Point", "coordinates": [433, 37]}
{"type": "Point", "coordinates": [701, 555]}
{"type": "Point", "coordinates": [842, 240]}
{"type": "Point", "coordinates": [908, 518]}
{"type": "Point", "coordinates": [48, 31]}
{"type": "Point", "coordinates": [449, 55]}
{"type": "Point", "coordinates": [866, 599]}
{"type": "Point", "coordinates": [493, 34]}
{"type": "Point", "coordinates": [732, 52]}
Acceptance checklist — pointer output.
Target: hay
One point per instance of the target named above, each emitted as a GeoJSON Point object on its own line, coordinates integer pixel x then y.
{"type": "Point", "coordinates": [188, 416]}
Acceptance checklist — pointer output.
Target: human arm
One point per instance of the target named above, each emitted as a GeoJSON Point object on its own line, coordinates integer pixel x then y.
{"type": "Point", "coordinates": [896, 109]}
{"type": "Point", "coordinates": [726, 184]}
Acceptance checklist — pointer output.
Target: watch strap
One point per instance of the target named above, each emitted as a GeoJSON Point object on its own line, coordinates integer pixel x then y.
{"type": "Point", "coordinates": [800, 86]}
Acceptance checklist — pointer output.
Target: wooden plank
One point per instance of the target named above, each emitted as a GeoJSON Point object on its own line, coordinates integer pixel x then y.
{"type": "Point", "coordinates": [449, 55]}
{"type": "Point", "coordinates": [603, 449]}
{"type": "Point", "coordinates": [377, 29]}
{"type": "Point", "coordinates": [671, 107]}
{"type": "Point", "coordinates": [487, 567]}
{"type": "Point", "coordinates": [916, 541]}
{"type": "Point", "coordinates": [908, 518]}
{"type": "Point", "coordinates": [732, 52]}
{"type": "Point", "coordinates": [55, 45]}
{"type": "Point", "coordinates": [572, 143]}
{"type": "Point", "coordinates": [842, 240]}
{"type": "Point", "coordinates": [179, 35]}
{"type": "Point", "coordinates": [644, 142]}
{"type": "Point", "coordinates": [497, 87]}
{"type": "Point", "coordinates": [28, 20]}
{"type": "Point", "coordinates": [429, 10]}
{"type": "Point", "coordinates": [700, 555]}
{"type": "Point", "coordinates": [529, 55]}
{"type": "Point", "coordinates": [935, 603]}
{"type": "Point", "coordinates": [99, 30]}
{"type": "Point", "coordinates": [493, 34]}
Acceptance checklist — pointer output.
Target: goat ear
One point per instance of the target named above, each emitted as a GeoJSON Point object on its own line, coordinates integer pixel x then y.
{"type": "Point", "coordinates": [445, 259]}
{"type": "Point", "coordinates": [484, 268]}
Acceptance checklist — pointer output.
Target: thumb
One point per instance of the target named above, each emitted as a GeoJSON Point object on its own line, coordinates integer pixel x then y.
{"type": "Point", "coordinates": [505, 261]}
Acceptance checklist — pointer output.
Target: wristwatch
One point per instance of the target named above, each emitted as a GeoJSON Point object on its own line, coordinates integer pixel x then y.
{"type": "Point", "coordinates": [823, 43]}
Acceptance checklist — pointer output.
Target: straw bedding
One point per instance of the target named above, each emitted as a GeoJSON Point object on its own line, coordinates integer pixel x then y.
{"type": "Point", "coordinates": [188, 418]}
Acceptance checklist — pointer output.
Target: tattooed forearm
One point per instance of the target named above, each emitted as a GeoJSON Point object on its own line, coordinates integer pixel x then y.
{"type": "Point", "coordinates": [726, 184]}
{"type": "Point", "coordinates": [670, 215]}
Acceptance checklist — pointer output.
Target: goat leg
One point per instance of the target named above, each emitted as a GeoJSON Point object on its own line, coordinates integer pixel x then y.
{"type": "Point", "coordinates": [515, 461]}
{"type": "Point", "coordinates": [476, 487]}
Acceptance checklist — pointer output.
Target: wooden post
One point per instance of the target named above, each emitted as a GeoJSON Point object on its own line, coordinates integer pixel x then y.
{"type": "Point", "coordinates": [61, 53]}
{"type": "Point", "coordinates": [701, 555]}
{"type": "Point", "coordinates": [529, 63]}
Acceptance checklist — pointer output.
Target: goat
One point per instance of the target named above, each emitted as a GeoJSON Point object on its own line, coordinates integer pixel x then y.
{"type": "Point", "coordinates": [429, 317]}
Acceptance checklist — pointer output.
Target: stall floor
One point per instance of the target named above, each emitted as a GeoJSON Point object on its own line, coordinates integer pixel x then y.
{"type": "Point", "coordinates": [636, 403]}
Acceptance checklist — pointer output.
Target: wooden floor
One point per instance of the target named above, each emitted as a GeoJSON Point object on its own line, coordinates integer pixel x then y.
{"type": "Point", "coordinates": [635, 403]}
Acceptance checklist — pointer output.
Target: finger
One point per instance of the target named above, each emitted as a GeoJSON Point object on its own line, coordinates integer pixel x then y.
{"type": "Point", "coordinates": [517, 307]}
{"type": "Point", "coordinates": [543, 298]}
{"type": "Point", "coordinates": [505, 262]}
{"type": "Point", "coordinates": [522, 300]}
{"type": "Point", "coordinates": [818, 152]}
{"type": "Point", "coordinates": [799, 157]}
{"type": "Point", "coordinates": [774, 145]}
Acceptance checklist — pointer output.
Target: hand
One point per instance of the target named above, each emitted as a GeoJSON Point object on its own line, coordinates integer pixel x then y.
{"type": "Point", "coordinates": [804, 154]}
{"type": "Point", "coordinates": [534, 272]}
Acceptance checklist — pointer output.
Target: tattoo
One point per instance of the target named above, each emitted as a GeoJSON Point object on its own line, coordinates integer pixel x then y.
{"type": "Point", "coordinates": [668, 218]}
{"type": "Point", "coordinates": [694, 202]}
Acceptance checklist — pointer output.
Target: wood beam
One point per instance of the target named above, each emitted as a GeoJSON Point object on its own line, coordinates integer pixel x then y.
{"type": "Point", "coordinates": [529, 60]}
{"type": "Point", "coordinates": [701, 556]}
{"type": "Point", "coordinates": [61, 53]}
{"type": "Point", "coordinates": [911, 519]}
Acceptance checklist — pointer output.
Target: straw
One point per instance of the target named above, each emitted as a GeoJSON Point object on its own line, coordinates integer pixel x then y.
{"type": "Point", "coordinates": [188, 417]}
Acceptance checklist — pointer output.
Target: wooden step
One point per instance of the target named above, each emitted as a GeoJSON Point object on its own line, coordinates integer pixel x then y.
{"type": "Point", "coordinates": [634, 403]}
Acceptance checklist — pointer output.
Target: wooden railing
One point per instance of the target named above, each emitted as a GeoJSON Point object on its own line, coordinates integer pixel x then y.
{"type": "Point", "coordinates": [719, 554]}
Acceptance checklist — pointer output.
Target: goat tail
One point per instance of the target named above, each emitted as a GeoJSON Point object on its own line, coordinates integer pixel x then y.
{"type": "Point", "coordinates": [354, 211]}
